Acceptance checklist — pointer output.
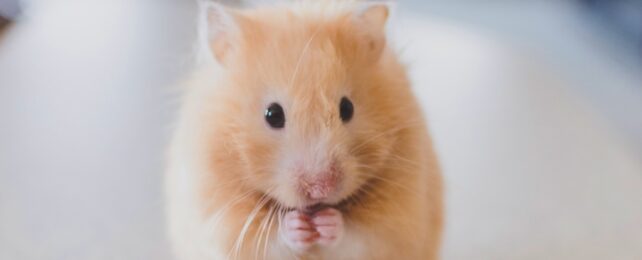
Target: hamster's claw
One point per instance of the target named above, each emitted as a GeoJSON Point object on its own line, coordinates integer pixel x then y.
{"type": "Point", "coordinates": [329, 224]}
{"type": "Point", "coordinates": [298, 231]}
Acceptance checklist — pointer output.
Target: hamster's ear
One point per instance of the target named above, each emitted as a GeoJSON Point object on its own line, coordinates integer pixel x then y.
{"type": "Point", "coordinates": [371, 18]}
{"type": "Point", "coordinates": [374, 14]}
{"type": "Point", "coordinates": [222, 30]}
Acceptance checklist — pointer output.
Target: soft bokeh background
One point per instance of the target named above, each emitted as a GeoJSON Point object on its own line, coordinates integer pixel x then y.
{"type": "Point", "coordinates": [535, 107]}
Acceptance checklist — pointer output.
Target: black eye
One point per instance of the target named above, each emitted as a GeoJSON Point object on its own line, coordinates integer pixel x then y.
{"type": "Point", "coordinates": [274, 116]}
{"type": "Point", "coordinates": [345, 109]}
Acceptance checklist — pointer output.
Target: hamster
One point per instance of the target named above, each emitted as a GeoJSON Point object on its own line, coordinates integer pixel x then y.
{"type": "Point", "coordinates": [302, 140]}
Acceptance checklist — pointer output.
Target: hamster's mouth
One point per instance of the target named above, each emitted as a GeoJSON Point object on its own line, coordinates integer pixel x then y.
{"type": "Point", "coordinates": [311, 209]}
{"type": "Point", "coordinates": [316, 207]}
{"type": "Point", "coordinates": [358, 197]}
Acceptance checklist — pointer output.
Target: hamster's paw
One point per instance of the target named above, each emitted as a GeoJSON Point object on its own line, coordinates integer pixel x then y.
{"type": "Point", "coordinates": [298, 232]}
{"type": "Point", "coordinates": [329, 224]}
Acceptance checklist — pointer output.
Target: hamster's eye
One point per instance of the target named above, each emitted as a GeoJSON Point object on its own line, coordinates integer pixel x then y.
{"type": "Point", "coordinates": [346, 109]}
{"type": "Point", "coordinates": [274, 116]}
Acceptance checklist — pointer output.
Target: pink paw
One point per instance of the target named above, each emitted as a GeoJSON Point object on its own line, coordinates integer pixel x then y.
{"type": "Point", "coordinates": [301, 231]}
{"type": "Point", "coordinates": [298, 231]}
{"type": "Point", "coordinates": [329, 224]}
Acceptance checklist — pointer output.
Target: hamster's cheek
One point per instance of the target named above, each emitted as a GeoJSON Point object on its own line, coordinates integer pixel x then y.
{"type": "Point", "coordinates": [351, 177]}
{"type": "Point", "coordinates": [283, 189]}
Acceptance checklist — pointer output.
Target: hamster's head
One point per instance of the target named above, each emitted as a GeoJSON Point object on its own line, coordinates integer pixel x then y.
{"type": "Point", "coordinates": [307, 105]}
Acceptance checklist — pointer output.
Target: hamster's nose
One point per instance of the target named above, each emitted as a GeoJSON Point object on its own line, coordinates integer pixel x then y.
{"type": "Point", "coordinates": [320, 185]}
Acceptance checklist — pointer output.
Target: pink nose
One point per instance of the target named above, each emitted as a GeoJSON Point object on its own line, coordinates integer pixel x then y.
{"type": "Point", "coordinates": [321, 187]}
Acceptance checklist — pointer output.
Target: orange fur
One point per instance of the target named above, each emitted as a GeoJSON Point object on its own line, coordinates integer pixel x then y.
{"type": "Point", "coordinates": [226, 163]}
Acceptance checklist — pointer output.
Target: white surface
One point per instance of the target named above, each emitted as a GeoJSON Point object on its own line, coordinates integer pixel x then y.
{"type": "Point", "coordinates": [532, 170]}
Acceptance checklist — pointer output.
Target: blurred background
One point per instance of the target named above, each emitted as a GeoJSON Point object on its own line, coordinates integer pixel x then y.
{"type": "Point", "coordinates": [535, 107]}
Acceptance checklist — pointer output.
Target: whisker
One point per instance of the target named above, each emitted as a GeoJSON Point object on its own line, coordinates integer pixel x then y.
{"type": "Point", "coordinates": [213, 220]}
{"type": "Point", "coordinates": [399, 185]}
{"type": "Point", "coordinates": [258, 237]}
{"type": "Point", "coordinates": [270, 221]}
{"type": "Point", "coordinates": [248, 221]}
{"type": "Point", "coordinates": [381, 134]}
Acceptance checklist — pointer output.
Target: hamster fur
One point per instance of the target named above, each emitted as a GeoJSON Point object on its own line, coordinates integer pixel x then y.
{"type": "Point", "coordinates": [320, 187]}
